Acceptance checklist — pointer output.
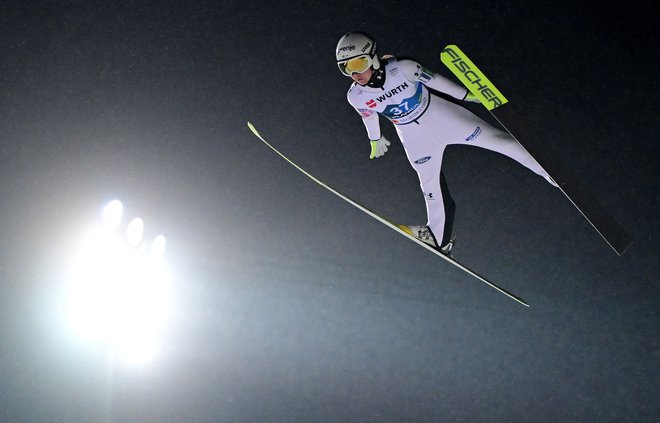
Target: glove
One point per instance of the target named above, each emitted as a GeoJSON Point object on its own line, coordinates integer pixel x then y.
{"type": "Point", "coordinates": [471, 98]}
{"type": "Point", "coordinates": [379, 147]}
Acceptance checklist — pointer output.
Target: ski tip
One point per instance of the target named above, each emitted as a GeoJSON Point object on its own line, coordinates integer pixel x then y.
{"type": "Point", "coordinates": [252, 128]}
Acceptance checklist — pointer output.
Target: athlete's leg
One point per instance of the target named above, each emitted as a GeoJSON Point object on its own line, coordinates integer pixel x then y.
{"type": "Point", "coordinates": [486, 136]}
{"type": "Point", "coordinates": [461, 126]}
{"type": "Point", "coordinates": [426, 158]}
{"type": "Point", "coordinates": [429, 178]}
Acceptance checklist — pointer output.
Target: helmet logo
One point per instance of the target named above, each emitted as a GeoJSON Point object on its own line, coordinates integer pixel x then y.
{"type": "Point", "coordinates": [347, 48]}
{"type": "Point", "coordinates": [366, 47]}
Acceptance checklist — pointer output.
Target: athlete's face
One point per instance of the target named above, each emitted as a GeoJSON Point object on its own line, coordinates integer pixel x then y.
{"type": "Point", "coordinates": [362, 78]}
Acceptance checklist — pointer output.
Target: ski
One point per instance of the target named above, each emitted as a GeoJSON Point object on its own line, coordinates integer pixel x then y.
{"type": "Point", "coordinates": [499, 107]}
{"type": "Point", "coordinates": [389, 224]}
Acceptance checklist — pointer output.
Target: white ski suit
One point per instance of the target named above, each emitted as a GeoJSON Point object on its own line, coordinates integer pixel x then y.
{"type": "Point", "coordinates": [426, 124]}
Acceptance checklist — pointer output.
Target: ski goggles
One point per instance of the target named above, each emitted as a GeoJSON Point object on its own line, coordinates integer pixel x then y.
{"type": "Point", "coordinates": [355, 65]}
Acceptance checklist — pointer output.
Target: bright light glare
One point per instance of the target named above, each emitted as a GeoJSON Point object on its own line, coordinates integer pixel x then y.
{"type": "Point", "coordinates": [157, 247]}
{"type": "Point", "coordinates": [134, 231]}
{"type": "Point", "coordinates": [119, 294]}
{"type": "Point", "coordinates": [112, 214]}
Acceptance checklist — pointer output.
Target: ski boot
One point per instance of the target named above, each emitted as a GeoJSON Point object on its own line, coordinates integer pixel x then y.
{"type": "Point", "coordinates": [424, 234]}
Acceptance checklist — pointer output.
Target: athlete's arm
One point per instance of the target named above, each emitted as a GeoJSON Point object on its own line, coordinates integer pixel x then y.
{"type": "Point", "coordinates": [369, 117]}
{"type": "Point", "coordinates": [413, 71]}
{"type": "Point", "coordinates": [371, 123]}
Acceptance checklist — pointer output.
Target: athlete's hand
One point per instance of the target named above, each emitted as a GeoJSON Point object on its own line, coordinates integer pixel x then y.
{"type": "Point", "coordinates": [379, 147]}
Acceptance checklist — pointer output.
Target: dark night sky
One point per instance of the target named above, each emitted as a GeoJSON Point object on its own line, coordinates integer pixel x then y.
{"type": "Point", "coordinates": [292, 305]}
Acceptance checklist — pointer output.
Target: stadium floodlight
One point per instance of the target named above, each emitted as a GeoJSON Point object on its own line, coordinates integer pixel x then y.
{"type": "Point", "coordinates": [119, 291]}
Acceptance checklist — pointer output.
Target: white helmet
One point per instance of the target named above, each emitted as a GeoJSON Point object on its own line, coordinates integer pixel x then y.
{"type": "Point", "coordinates": [356, 52]}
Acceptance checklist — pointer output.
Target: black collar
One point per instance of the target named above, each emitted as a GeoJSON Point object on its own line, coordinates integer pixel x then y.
{"type": "Point", "coordinates": [377, 79]}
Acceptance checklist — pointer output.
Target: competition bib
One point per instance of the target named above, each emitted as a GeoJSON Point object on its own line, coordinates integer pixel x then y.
{"type": "Point", "coordinates": [401, 101]}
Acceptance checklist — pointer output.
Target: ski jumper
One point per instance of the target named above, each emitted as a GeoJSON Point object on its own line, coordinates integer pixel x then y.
{"type": "Point", "coordinates": [426, 124]}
